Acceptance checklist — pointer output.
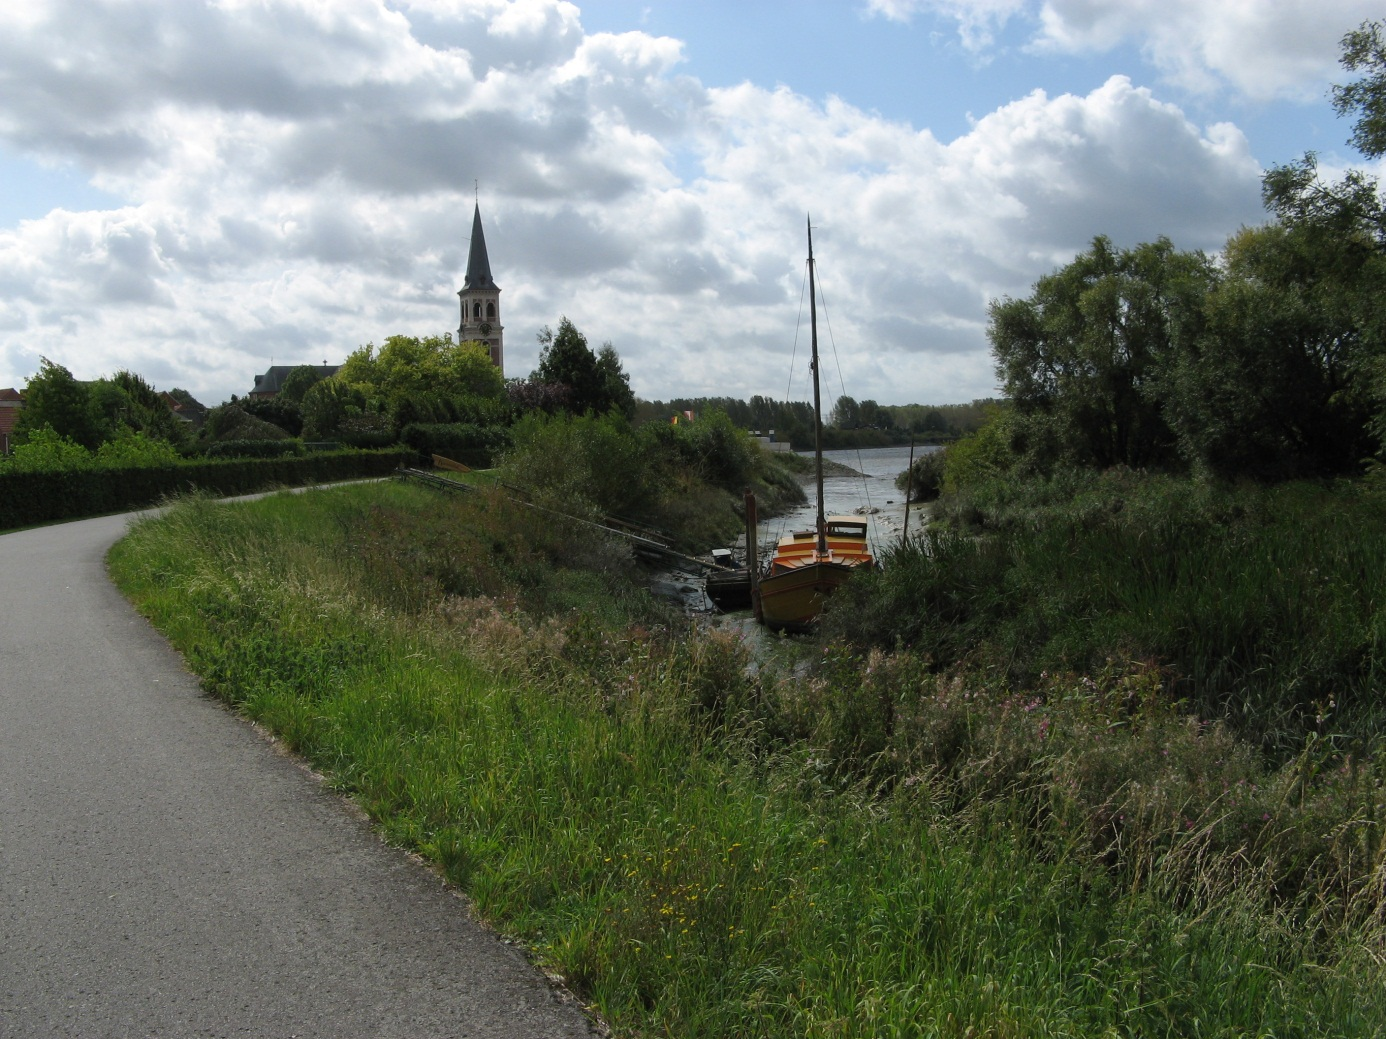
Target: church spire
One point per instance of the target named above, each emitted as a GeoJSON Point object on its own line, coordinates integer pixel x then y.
{"type": "Point", "coordinates": [478, 266]}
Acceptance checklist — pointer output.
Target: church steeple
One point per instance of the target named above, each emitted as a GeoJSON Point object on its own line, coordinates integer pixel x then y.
{"type": "Point", "coordinates": [480, 298]}
{"type": "Point", "coordinates": [478, 265]}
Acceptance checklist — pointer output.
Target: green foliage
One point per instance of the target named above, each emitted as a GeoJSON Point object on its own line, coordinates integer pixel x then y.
{"type": "Point", "coordinates": [686, 480]}
{"type": "Point", "coordinates": [613, 382]}
{"type": "Point", "coordinates": [1364, 50]}
{"type": "Point", "coordinates": [297, 383]}
{"type": "Point", "coordinates": [595, 383]}
{"type": "Point", "coordinates": [137, 406]}
{"type": "Point", "coordinates": [923, 481]}
{"type": "Point", "coordinates": [277, 411]}
{"type": "Point", "coordinates": [848, 413]}
{"type": "Point", "coordinates": [712, 447]}
{"type": "Point", "coordinates": [44, 450]}
{"type": "Point", "coordinates": [408, 367]}
{"type": "Point", "coordinates": [1259, 603]}
{"type": "Point", "coordinates": [132, 450]}
{"type": "Point", "coordinates": [1083, 360]}
{"type": "Point", "coordinates": [591, 464]}
{"type": "Point", "coordinates": [330, 406]}
{"type": "Point", "coordinates": [983, 455]}
{"type": "Point", "coordinates": [234, 422]}
{"type": "Point", "coordinates": [53, 398]}
{"type": "Point", "coordinates": [1273, 387]}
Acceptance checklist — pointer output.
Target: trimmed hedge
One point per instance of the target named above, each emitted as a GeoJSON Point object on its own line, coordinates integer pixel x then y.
{"type": "Point", "coordinates": [255, 448]}
{"type": "Point", "coordinates": [43, 497]}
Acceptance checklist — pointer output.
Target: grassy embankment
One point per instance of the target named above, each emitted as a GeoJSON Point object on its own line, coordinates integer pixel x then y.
{"type": "Point", "coordinates": [879, 848]}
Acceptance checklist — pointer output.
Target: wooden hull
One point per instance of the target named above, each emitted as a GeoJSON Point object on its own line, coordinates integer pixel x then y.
{"type": "Point", "coordinates": [791, 600]}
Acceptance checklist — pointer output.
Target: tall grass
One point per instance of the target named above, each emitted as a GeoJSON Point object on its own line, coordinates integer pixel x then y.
{"type": "Point", "coordinates": [702, 848]}
{"type": "Point", "coordinates": [1263, 606]}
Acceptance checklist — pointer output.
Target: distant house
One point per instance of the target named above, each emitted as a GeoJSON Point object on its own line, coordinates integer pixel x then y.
{"type": "Point", "coordinates": [269, 384]}
{"type": "Point", "coordinates": [185, 407]}
{"type": "Point", "coordinates": [11, 404]}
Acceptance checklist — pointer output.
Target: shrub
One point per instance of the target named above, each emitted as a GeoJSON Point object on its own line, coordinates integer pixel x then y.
{"type": "Point", "coordinates": [923, 481]}
{"type": "Point", "coordinates": [46, 451]}
{"type": "Point", "coordinates": [582, 463]}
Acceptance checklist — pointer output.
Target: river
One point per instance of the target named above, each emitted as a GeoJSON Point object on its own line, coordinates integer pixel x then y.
{"type": "Point", "coordinates": [847, 495]}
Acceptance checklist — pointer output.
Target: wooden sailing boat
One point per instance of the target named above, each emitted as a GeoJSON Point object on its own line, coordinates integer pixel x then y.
{"type": "Point", "coordinates": [809, 565]}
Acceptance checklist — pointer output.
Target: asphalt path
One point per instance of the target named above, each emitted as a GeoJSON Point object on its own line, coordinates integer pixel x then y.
{"type": "Point", "coordinates": [165, 871]}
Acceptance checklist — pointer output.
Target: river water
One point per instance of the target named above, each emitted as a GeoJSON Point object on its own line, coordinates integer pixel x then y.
{"type": "Point", "coordinates": [858, 495]}
{"type": "Point", "coordinates": [872, 494]}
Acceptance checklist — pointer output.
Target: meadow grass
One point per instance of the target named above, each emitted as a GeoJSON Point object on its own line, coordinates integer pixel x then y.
{"type": "Point", "coordinates": [704, 849]}
{"type": "Point", "coordinates": [1263, 605]}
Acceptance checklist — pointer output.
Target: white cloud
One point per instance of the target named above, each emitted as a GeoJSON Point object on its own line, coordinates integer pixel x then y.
{"type": "Point", "coordinates": [1262, 49]}
{"type": "Point", "coordinates": [301, 178]}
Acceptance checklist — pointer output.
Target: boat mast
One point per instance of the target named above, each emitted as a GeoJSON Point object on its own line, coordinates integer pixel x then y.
{"type": "Point", "coordinates": [817, 401]}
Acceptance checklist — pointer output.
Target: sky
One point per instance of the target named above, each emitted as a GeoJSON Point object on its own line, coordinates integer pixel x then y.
{"type": "Point", "coordinates": [194, 191]}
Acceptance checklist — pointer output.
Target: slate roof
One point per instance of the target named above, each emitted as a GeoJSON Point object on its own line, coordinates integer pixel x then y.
{"type": "Point", "coordinates": [478, 265]}
{"type": "Point", "coordinates": [272, 381]}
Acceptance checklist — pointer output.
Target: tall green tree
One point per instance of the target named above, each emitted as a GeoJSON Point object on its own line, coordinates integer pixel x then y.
{"type": "Point", "coordinates": [1085, 358]}
{"type": "Point", "coordinates": [298, 382]}
{"type": "Point", "coordinates": [595, 384]}
{"type": "Point", "coordinates": [1364, 51]}
{"type": "Point", "coordinates": [1338, 230]}
{"type": "Point", "coordinates": [1275, 384]}
{"type": "Point", "coordinates": [614, 382]}
{"type": "Point", "coordinates": [142, 409]}
{"type": "Point", "coordinates": [53, 398]}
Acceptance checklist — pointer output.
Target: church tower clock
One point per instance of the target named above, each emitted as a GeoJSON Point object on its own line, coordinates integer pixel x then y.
{"type": "Point", "coordinates": [481, 299]}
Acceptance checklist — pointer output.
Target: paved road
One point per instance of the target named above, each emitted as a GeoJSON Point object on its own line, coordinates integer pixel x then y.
{"type": "Point", "coordinates": [164, 872]}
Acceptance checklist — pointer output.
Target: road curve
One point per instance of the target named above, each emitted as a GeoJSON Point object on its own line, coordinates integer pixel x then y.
{"type": "Point", "coordinates": [165, 872]}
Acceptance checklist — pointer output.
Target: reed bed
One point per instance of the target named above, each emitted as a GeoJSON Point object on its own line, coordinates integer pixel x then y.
{"type": "Point", "coordinates": [704, 844]}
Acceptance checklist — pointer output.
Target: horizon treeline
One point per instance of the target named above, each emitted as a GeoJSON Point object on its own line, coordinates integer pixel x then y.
{"type": "Point", "coordinates": [850, 423]}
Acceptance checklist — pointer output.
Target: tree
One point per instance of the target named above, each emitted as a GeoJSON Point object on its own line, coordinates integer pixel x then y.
{"type": "Point", "coordinates": [434, 366]}
{"type": "Point", "coordinates": [1276, 385]}
{"type": "Point", "coordinates": [1364, 50]}
{"type": "Point", "coordinates": [142, 409]}
{"type": "Point", "coordinates": [845, 413]}
{"type": "Point", "coordinates": [329, 405]}
{"type": "Point", "coordinates": [298, 382]}
{"type": "Point", "coordinates": [1085, 358]}
{"type": "Point", "coordinates": [614, 383]}
{"type": "Point", "coordinates": [596, 384]}
{"type": "Point", "coordinates": [1337, 232]}
{"type": "Point", "coordinates": [53, 398]}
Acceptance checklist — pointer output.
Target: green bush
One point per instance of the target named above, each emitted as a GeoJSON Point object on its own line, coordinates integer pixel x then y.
{"type": "Point", "coordinates": [587, 463]}
{"type": "Point", "coordinates": [923, 481]}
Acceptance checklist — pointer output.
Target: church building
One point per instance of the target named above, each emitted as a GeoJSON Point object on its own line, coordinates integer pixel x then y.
{"type": "Point", "coordinates": [481, 299]}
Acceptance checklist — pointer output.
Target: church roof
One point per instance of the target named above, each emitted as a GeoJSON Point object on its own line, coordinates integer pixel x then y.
{"type": "Point", "coordinates": [478, 266]}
